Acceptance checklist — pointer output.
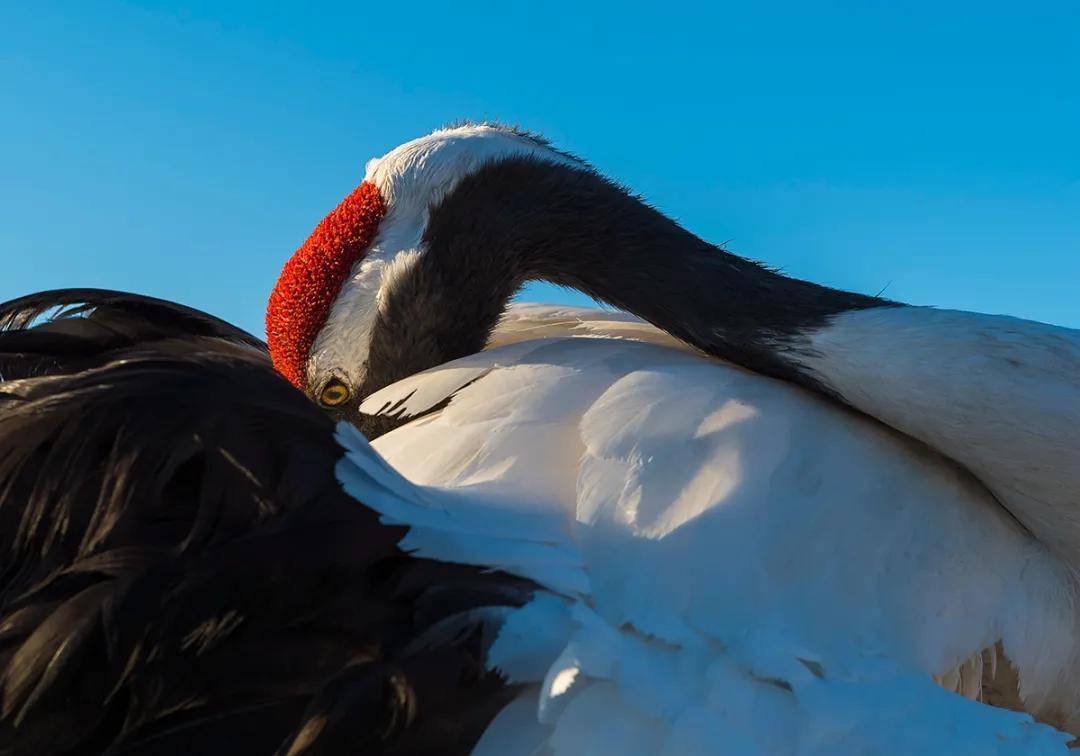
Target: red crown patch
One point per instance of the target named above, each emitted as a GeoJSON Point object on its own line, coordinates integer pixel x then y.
{"type": "Point", "coordinates": [312, 278]}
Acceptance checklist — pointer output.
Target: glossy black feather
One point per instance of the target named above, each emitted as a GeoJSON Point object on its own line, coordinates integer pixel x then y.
{"type": "Point", "coordinates": [180, 571]}
{"type": "Point", "coordinates": [76, 328]}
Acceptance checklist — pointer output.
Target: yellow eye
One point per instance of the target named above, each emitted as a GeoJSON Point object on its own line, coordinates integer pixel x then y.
{"type": "Point", "coordinates": [334, 393]}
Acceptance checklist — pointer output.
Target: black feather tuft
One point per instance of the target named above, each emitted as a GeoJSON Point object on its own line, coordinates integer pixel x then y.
{"type": "Point", "coordinates": [180, 571]}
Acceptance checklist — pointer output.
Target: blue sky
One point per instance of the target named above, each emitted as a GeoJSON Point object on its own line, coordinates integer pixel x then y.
{"type": "Point", "coordinates": [185, 149]}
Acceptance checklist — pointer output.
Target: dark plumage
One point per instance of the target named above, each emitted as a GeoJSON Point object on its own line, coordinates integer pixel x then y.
{"type": "Point", "coordinates": [522, 218]}
{"type": "Point", "coordinates": [180, 571]}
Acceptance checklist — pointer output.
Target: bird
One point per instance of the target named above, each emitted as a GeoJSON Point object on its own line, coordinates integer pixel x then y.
{"type": "Point", "coordinates": [416, 266]}
{"type": "Point", "coordinates": [181, 573]}
{"type": "Point", "coordinates": [194, 559]}
{"type": "Point", "coordinates": [702, 472]}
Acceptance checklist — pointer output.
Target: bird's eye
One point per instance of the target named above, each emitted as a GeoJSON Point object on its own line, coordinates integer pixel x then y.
{"type": "Point", "coordinates": [334, 393]}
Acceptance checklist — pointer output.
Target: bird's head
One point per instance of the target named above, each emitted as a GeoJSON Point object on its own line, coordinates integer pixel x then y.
{"type": "Point", "coordinates": [366, 300]}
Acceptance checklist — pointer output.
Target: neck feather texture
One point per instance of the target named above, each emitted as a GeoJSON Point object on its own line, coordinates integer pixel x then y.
{"type": "Point", "coordinates": [525, 219]}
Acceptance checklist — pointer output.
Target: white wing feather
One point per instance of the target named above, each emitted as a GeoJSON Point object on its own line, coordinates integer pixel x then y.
{"type": "Point", "coordinates": [741, 568]}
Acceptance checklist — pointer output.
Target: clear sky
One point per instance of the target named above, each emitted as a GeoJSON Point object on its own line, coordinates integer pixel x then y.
{"type": "Point", "coordinates": [184, 150]}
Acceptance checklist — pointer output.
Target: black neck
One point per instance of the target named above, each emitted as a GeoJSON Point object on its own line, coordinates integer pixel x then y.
{"type": "Point", "coordinates": [522, 219]}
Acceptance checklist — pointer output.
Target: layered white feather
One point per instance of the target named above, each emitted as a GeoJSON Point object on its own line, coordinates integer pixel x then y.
{"type": "Point", "coordinates": [1000, 395]}
{"type": "Point", "coordinates": [736, 566]}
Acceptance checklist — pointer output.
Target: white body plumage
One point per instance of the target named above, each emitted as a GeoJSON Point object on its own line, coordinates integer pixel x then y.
{"type": "Point", "coordinates": [735, 565]}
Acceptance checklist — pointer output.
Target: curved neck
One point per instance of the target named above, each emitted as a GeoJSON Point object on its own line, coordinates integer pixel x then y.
{"type": "Point", "coordinates": [525, 219]}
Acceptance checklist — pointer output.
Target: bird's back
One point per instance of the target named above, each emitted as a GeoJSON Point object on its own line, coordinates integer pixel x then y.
{"type": "Point", "coordinates": [714, 500]}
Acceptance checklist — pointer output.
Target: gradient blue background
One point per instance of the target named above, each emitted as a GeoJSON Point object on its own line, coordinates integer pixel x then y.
{"type": "Point", "coordinates": [185, 149]}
